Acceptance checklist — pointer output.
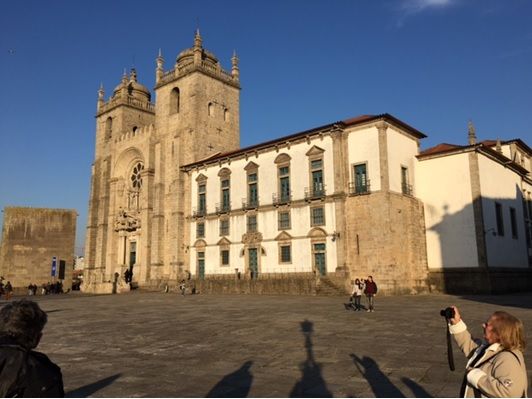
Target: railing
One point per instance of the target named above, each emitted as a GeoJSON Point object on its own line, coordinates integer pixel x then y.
{"type": "Point", "coordinates": [406, 189]}
{"type": "Point", "coordinates": [315, 192]}
{"type": "Point", "coordinates": [223, 207]}
{"type": "Point", "coordinates": [282, 198]}
{"type": "Point", "coordinates": [129, 100]}
{"type": "Point", "coordinates": [198, 213]}
{"type": "Point", "coordinates": [359, 188]}
{"type": "Point", "coordinates": [250, 203]}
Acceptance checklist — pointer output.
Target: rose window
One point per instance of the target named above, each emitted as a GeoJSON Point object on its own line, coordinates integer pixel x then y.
{"type": "Point", "coordinates": [136, 178]}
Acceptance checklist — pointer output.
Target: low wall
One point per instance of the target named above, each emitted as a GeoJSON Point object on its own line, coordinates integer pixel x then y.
{"type": "Point", "coordinates": [480, 281]}
{"type": "Point", "coordinates": [296, 285]}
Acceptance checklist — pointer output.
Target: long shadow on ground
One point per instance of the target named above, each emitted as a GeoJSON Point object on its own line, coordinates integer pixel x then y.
{"type": "Point", "coordinates": [87, 390]}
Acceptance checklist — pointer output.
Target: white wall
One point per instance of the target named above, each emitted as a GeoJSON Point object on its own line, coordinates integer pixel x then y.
{"type": "Point", "coordinates": [266, 219]}
{"type": "Point", "coordinates": [401, 152]}
{"type": "Point", "coordinates": [443, 184]}
{"type": "Point", "coordinates": [502, 185]}
{"type": "Point", "coordinates": [363, 146]}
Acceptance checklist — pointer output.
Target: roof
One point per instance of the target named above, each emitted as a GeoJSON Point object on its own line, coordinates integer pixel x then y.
{"type": "Point", "coordinates": [358, 120]}
{"type": "Point", "coordinates": [485, 147]}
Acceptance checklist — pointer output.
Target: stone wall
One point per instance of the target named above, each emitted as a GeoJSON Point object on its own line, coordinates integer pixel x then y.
{"type": "Point", "coordinates": [462, 281]}
{"type": "Point", "coordinates": [385, 238]}
{"type": "Point", "coordinates": [30, 238]}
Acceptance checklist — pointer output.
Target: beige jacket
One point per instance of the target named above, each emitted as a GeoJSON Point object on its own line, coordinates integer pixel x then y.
{"type": "Point", "coordinates": [499, 373]}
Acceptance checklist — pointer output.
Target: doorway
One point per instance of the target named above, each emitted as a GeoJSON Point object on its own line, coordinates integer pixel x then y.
{"type": "Point", "coordinates": [253, 263]}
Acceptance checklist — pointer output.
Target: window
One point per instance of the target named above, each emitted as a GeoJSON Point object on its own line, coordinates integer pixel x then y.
{"type": "Point", "coordinates": [252, 224]}
{"type": "Point", "coordinates": [210, 109]}
{"type": "Point", "coordinates": [200, 230]}
{"type": "Point", "coordinates": [285, 253]}
{"type": "Point", "coordinates": [406, 188]}
{"type": "Point", "coordinates": [284, 183]}
{"type": "Point", "coordinates": [224, 227]}
{"type": "Point", "coordinates": [226, 197]}
{"type": "Point", "coordinates": [108, 128]}
{"type": "Point", "coordinates": [202, 204]}
{"type": "Point", "coordinates": [174, 101]}
{"type": "Point", "coordinates": [513, 221]}
{"type": "Point", "coordinates": [361, 183]}
{"type": "Point", "coordinates": [284, 220]}
{"type": "Point", "coordinates": [253, 190]}
{"type": "Point", "coordinates": [224, 257]}
{"type": "Point", "coordinates": [133, 199]}
{"type": "Point", "coordinates": [317, 216]}
{"type": "Point", "coordinates": [500, 221]}
{"type": "Point", "coordinates": [226, 114]}
{"type": "Point", "coordinates": [316, 171]}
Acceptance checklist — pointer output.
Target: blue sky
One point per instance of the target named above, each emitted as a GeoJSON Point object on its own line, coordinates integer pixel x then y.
{"type": "Point", "coordinates": [434, 64]}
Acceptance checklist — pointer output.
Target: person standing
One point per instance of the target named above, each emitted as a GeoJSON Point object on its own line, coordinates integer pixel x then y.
{"type": "Point", "coordinates": [183, 287]}
{"type": "Point", "coordinates": [358, 289]}
{"type": "Point", "coordinates": [370, 290]}
{"type": "Point", "coordinates": [23, 371]}
{"type": "Point", "coordinates": [496, 366]}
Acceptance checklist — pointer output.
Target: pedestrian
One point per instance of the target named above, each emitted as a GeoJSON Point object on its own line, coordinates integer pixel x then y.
{"type": "Point", "coordinates": [30, 289]}
{"type": "Point", "coordinates": [23, 371]}
{"type": "Point", "coordinates": [9, 290]}
{"type": "Point", "coordinates": [183, 287]}
{"type": "Point", "coordinates": [358, 289]}
{"type": "Point", "coordinates": [496, 366]}
{"type": "Point", "coordinates": [370, 290]}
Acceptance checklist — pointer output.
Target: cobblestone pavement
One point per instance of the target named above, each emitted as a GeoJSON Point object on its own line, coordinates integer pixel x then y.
{"type": "Point", "coordinates": [160, 345]}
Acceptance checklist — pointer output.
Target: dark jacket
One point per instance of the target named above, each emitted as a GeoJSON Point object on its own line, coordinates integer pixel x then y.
{"type": "Point", "coordinates": [371, 288]}
{"type": "Point", "coordinates": [27, 373]}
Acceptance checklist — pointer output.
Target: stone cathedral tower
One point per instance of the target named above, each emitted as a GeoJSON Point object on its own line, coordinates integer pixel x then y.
{"type": "Point", "coordinates": [138, 194]}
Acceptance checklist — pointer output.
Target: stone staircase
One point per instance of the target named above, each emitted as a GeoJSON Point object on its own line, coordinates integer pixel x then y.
{"type": "Point", "coordinates": [329, 286]}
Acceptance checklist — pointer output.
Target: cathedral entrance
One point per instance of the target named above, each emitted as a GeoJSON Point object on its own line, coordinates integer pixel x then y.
{"type": "Point", "coordinates": [132, 257]}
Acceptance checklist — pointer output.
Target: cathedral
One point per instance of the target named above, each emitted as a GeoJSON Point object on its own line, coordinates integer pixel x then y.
{"type": "Point", "coordinates": [173, 196]}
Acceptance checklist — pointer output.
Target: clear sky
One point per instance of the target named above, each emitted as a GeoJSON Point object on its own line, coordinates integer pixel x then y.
{"type": "Point", "coordinates": [434, 64]}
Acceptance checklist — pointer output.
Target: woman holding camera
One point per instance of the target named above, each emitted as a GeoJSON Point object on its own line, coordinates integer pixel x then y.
{"type": "Point", "coordinates": [496, 366]}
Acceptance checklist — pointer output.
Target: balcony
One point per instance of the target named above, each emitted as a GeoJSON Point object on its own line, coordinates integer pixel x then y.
{"type": "Point", "coordinates": [315, 192]}
{"type": "Point", "coordinates": [281, 198]}
{"type": "Point", "coordinates": [407, 189]}
{"type": "Point", "coordinates": [252, 203]}
{"type": "Point", "coordinates": [223, 208]}
{"type": "Point", "coordinates": [199, 213]}
{"type": "Point", "coordinates": [359, 188]}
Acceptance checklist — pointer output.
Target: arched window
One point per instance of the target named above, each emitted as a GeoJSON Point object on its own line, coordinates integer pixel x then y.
{"type": "Point", "coordinates": [226, 115]}
{"type": "Point", "coordinates": [108, 128]}
{"type": "Point", "coordinates": [174, 101]}
{"type": "Point", "coordinates": [136, 185]}
{"type": "Point", "coordinates": [210, 109]}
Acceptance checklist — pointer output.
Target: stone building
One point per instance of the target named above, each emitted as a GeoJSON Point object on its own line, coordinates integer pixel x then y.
{"type": "Point", "coordinates": [173, 196]}
{"type": "Point", "coordinates": [31, 238]}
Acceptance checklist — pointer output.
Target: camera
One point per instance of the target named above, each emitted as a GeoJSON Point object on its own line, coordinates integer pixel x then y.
{"type": "Point", "coordinates": [448, 313]}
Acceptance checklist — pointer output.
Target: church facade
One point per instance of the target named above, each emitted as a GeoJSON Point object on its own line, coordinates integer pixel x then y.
{"type": "Point", "coordinates": [174, 196]}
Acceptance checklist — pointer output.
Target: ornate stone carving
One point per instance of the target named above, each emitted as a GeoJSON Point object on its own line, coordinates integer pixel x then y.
{"type": "Point", "coordinates": [251, 238]}
{"type": "Point", "coordinates": [126, 221]}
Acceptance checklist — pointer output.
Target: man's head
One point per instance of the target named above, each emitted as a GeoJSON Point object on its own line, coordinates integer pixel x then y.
{"type": "Point", "coordinates": [22, 321]}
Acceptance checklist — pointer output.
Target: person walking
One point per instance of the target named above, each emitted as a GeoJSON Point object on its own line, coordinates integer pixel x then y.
{"type": "Point", "coordinates": [183, 287]}
{"type": "Point", "coordinates": [9, 290]}
{"type": "Point", "coordinates": [23, 371]}
{"type": "Point", "coordinates": [370, 290]}
{"type": "Point", "coordinates": [496, 366]}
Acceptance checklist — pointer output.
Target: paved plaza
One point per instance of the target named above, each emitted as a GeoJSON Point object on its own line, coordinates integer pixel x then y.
{"type": "Point", "coordinates": [160, 345]}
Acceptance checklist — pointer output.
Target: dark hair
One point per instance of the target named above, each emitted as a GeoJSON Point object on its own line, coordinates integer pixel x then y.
{"type": "Point", "coordinates": [22, 321]}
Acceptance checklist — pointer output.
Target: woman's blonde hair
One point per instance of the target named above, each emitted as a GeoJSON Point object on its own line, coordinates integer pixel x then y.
{"type": "Point", "coordinates": [510, 330]}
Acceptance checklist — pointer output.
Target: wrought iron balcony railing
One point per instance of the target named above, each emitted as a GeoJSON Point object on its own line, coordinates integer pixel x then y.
{"type": "Point", "coordinates": [252, 203]}
{"type": "Point", "coordinates": [315, 192]}
{"type": "Point", "coordinates": [281, 198]}
{"type": "Point", "coordinates": [198, 213]}
{"type": "Point", "coordinates": [359, 188]}
{"type": "Point", "coordinates": [406, 189]}
{"type": "Point", "coordinates": [223, 207]}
